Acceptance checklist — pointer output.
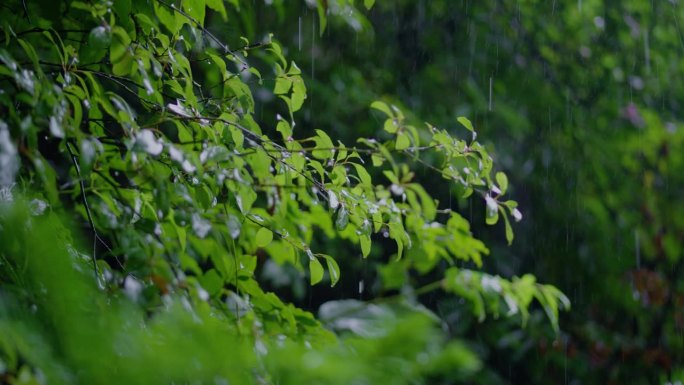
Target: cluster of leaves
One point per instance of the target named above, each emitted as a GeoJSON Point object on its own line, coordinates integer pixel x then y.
{"type": "Point", "coordinates": [142, 121]}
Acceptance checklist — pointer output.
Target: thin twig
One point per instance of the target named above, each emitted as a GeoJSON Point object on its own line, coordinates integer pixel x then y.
{"type": "Point", "coordinates": [26, 13]}
{"type": "Point", "coordinates": [87, 208]}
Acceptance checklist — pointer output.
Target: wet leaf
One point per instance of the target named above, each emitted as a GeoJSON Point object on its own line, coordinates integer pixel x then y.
{"type": "Point", "coordinates": [402, 141]}
{"type": "Point", "coordinates": [342, 219]}
{"type": "Point", "coordinates": [333, 269]}
{"type": "Point", "coordinates": [333, 201]}
{"type": "Point", "coordinates": [234, 226]}
{"type": "Point", "coordinates": [502, 180]}
{"type": "Point", "coordinates": [100, 38]}
{"type": "Point", "coordinates": [264, 236]}
{"type": "Point", "coordinates": [466, 123]}
{"type": "Point", "coordinates": [382, 107]}
{"type": "Point", "coordinates": [315, 269]}
{"type": "Point", "coordinates": [365, 242]}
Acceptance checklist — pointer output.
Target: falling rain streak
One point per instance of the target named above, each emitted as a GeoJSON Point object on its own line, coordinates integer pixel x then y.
{"type": "Point", "coordinates": [491, 81]}
{"type": "Point", "coordinates": [313, 46]}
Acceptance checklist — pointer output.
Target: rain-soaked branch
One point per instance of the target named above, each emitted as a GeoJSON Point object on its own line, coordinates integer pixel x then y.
{"type": "Point", "coordinates": [260, 142]}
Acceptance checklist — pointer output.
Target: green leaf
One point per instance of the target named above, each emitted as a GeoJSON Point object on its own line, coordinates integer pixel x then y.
{"type": "Point", "coordinates": [333, 269]}
{"type": "Point", "coordinates": [382, 107]}
{"type": "Point", "coordinates": [391, 125]}
{"type": "Point", "coordinates": [282, 85]}
{"type": "Point", "coordinates": [363, 174]}
{"type": "Point", "coordinates": [322, 9]}
{"type": "Point", "coordinates": [99, 41]}
{"type": "Point", "coordinates": [368, 3]}
{"type": "Point", "coordinates": [124, 66]}
{"type": "Point", "coordinates": [400, 247]}
{"type": "Point", "coordinates": [298, 94]}
{"type": "Point", "coordinates": [242, 92]}
{"type": "Point", "coordinates": [342, 219]}
{"type": "Point", "coordinates": [502, 180]}
{"type": "Point", "coordinates": [31, 53]}
{"type": "Point", "coordinates": [122, 10]}
{"type": "Point", "coordinates": [245, 198]}
{"type": "Point", "coordinates": [284, 128]}
{"type": "Point", "coordinates": [466, 123]}
{"type": "Point", "coordinates": [263, 237]}
{"type": "Point", "coordinates": [211, 282]}
{"type": "Point", "coordinates": [402, 141]}
{"type": "Point", "coordinates": [365, 242]}
{"type": "Point", "coordinates": [427, 203]}
{"type": "Point", "coordinates": [166, 16]}
{"type": "Point", "coordinates": [120, 41]}
{"type": "Point", "coordinates": [100, 37]}
{"type": "Point", "coordinates": [196, 9]}
{"type": "Point", "coordinates": [315, 268]}
{"type": "Point", "coordinates": [324, 145]}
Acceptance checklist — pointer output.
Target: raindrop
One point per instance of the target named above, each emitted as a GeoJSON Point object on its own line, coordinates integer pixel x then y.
{"type": "Point", "coordinates": [179, 109]}
{"type": "Point", "coordinates": [599, 22]}
{"type": "Point", "coordinates": [396, 189]}
{"type": "Point", "coordinates": [517, 215]}
{"type": "Point", "coordinates": [492, 206]}
{"type": "Point", "coordinates": [188, 167]}
{"type": "Point", "coordinates": [332, 198]}
{"type": "Point", "coordinates": [310, 254]}
{"type": "Point", "coordinates": [6, 194]}
{"type": "Point", "coordinates": [37, 206]}
{"type": "Point", "coordinates": [56, 127]}
{"type": "Point", "coordinates": [202, 294]}
{"type": "Point", "coordinates": [132, 288]}
{"type": "Point", "coordinates": [200, 225]}
{"type": "Point", "coordinates": [175, 154]}
{"type": "Point", "coordinates": [148, 142]}
{"type": "Point", "coordinates": [636, 82]}
{"type": "Point", "coordinates": [234, 226]}
{"type": "Point", "coordinates": [148, 86]}
{"type": "Point", "coordinates": [585, 52]}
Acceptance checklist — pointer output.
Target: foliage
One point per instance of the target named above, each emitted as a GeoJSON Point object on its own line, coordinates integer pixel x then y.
{"type": "Point", "coordinates": [142, 126]}
{"type": "Point", "coordinates": [582, 103]}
